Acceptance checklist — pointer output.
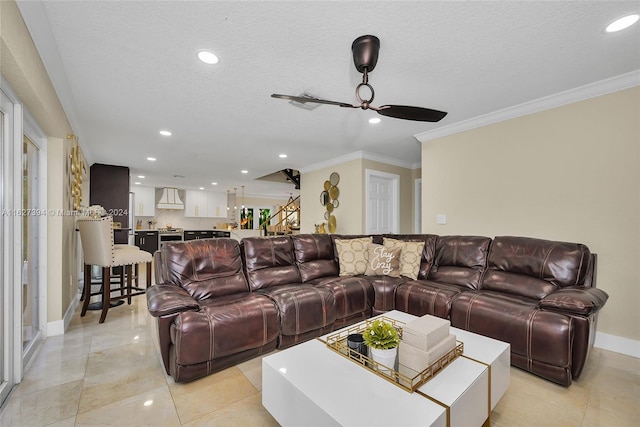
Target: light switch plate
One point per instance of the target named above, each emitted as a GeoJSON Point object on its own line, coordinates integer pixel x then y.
{"type": "Point", "coordinates": [441, 219]}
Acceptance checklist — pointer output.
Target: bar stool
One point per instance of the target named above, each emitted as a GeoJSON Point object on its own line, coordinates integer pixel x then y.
{"type": "Point", "coordinates": [99, 249]}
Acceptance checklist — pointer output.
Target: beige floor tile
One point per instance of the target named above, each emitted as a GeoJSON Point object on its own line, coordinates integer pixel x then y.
{"type": "Point", "coordinates": [118, 373]}
{"type": "Point", "coordinates": [210, 394]}
{"type": "Point", "coordinates": [533, 401]}
{"type": "Point", "coordinates": [151, 408]}
{"type": "Point", "coordinates": [69, 422]}
{"type": "Point", "coordinates": [42, 407]}
{"type": "Point", "coordinates": [252, 369]}
{"type": "Point", "coordinates": [46, 375]}
{"type": "Point", "coordinates": [246, 412]}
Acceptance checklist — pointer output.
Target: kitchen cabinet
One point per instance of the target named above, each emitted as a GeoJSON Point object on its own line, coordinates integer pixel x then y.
{"type": "Point", "coordinates": [196, 235]}
{"type": "Point", "coordinates": [147, 240]}
{"type": "Point", "coordinates": [205, 234]}
{"type": "Point", "coordinates": [109, 188]}
{"type": "Point", "coordinates": [205, 204]}
{"type": "Point", "coordinates": [144, 201]}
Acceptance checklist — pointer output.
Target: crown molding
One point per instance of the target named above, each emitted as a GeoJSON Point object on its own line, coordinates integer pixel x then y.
{"type": "Point", "coordinates": [359, 155]}
{"type": "Point", "coordinates": [602, 87]}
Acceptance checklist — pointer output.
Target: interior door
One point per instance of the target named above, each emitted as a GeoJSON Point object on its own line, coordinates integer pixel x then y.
{"type": "Point", "coordinates": [382, 204]}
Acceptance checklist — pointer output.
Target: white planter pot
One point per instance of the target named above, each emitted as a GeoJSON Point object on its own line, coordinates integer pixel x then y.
{"type": "Point", "coordinates": [385, 357]}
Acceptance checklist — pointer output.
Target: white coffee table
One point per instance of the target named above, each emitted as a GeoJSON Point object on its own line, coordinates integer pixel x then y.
{"type": "Point", "coordinates": [311, 385]}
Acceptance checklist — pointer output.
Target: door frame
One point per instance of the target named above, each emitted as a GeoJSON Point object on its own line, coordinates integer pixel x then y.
{"type": "Point", "coordinates": [417, 206]}
{"type": "Point", "coordinates": [395, 198]}
{"type": "Point", "coordinates": [32, 130]}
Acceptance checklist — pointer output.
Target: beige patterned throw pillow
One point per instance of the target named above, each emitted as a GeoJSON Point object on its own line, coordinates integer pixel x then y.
{"type": "Point", "coordinates": [383, 261]}
{"type": "Point", "coordinates": [410, 256]}
{"type": "Point", "coordinates": [352, 255]}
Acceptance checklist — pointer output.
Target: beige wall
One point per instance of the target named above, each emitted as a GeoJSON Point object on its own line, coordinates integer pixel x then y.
{"type": "Point", "coordinates": [350, 214]}
{"type": "Point", "coordinates": [571, 173]}
{"type": "Point", "coordinates": [20, 64]}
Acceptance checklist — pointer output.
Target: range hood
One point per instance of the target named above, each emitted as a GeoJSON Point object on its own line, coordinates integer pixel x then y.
{"type": "Point", "coordinates": [170, 199]}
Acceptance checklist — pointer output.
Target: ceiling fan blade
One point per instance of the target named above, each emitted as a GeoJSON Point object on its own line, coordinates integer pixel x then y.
{"type": "Point", "coordinates": [411, 113]}
{"type": "Point", "coordinates": [305, 99]}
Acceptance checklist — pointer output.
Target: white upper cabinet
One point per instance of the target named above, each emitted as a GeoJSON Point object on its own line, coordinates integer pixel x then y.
{"type": "Point", "coordinates": [217, 204]}
{"type": "Point", "coordinates": [205, 204]}
{"type": "Point", "coordinates": [144, 201]}
{"type": "Point", "coordinates": [195, 204]}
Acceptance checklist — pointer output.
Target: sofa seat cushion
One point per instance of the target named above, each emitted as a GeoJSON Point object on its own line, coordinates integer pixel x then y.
{"type": "Point", "coordinates": [541, 340]}
{"type": "Point", "coordinates": [353, 295]}
{"type": "Point", "coordinates": [420, 297]}
{"type": "Point", "coordinates": [224, 326]}
{"type": "Point", "coordinates": [385, 292]}
{"type": "Point", "coordinates": [302, 308]}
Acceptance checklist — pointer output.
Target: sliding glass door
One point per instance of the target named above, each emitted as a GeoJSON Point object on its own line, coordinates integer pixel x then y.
{"type": "Point", "coordinates": [7, 347]}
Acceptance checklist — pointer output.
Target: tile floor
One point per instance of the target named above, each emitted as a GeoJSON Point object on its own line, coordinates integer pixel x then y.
{"type": "Point", "coordinates": [112, 375]}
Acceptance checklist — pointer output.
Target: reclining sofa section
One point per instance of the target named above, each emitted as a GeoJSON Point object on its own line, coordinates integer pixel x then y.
{"type": "Point", "coordinates": [220, 302]}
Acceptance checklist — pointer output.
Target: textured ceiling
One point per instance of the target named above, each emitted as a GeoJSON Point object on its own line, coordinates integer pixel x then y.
{"type": "Point", "coordinates": [124, 70]}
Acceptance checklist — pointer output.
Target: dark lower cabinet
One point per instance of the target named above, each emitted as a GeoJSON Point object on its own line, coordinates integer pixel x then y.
{"type": "Point", "coordinates": [147, 240]}
{"type": "Point", "coordinates": [205, 234]}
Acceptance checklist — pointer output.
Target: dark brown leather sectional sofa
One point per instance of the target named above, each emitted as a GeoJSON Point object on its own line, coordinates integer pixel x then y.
{"type": "Point", "coordinates": [219, 302]}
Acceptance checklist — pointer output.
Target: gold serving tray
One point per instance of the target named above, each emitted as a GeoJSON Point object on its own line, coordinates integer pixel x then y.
{"type": "Point", "coordinates": [405, 378]}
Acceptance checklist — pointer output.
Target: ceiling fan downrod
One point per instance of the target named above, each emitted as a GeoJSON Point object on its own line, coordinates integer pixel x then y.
{"type": "Point", "coordinates": [365, 104]}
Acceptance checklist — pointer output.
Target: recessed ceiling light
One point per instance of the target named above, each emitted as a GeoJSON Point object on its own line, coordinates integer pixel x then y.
{"type": "Point", "coordinates": [136, 183]}
{"type": "Point", "coordinates": [214, 183]}
{"type": "Point", "coordinates": [165, 133]}
{"type": "Point", "coordinates": [244, 171]}
{"type": "Point", "coordinates": [151, 159]}
{"type": "Point", "coordinates": [282, 156]}
{"type": "Point", "coordinates": [622, 23]}
{"type": "Point", "coordinates": [374, 120]}
{"type": "Point", "coordinates": [207, 57]}
{"type": "Point", "coordinates": [141, 176]}
{"type": "Point", "coordinates": [201, 188]}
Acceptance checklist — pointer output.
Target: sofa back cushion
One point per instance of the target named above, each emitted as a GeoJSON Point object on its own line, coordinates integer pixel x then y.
{"type": "Point", "coordinates": [534, 267]}
{"type": "Point", "coordinates": [207, 268]}
{"type": "Point", "coordinates": [314, 255]}
{"type": "Point", "coordinates": [269, 261]}
{"type": "Point", "coordinates": [428, 252]}
{"type": "Point", "coordinates": [460, 260]}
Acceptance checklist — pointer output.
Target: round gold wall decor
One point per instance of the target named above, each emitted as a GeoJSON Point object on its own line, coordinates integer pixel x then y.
{"type": "Point", "coordinates": [334, 192]}
{"type": "Point", "coordinates": [334, 178]}
{"type": "Point", "coordinates": [332, 224]}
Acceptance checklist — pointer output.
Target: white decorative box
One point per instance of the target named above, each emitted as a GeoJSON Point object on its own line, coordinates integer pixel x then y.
{"type": "Point", "coordinates": [418, 359]}
{"type": "Point", "coordinates": [425, 332]}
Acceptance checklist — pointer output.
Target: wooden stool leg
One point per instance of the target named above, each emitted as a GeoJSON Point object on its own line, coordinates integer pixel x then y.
{"type": "Point", "coordinates": [106, 292]}
{"type": "Point", "coordinates": [129, 290]}
{"type": "Point", "coordinates": [122, 275]}
{"type": "Point", "coordinates": [87, 289]}
{"type": "Point", "coordinates": [148, 275]}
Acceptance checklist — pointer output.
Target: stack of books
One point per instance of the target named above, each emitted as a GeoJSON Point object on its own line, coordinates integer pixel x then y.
{"type": "Point", "coordinates": [424, 341]}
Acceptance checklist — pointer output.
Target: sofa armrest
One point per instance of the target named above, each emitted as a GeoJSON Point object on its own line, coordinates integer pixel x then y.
{"type": "Point", "coordinates": [575, 299]}
{"type": "Point", "coordinates": [165, 300]}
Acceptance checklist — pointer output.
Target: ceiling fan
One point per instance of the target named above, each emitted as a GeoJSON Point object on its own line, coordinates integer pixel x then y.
{"type": "Point", "coordinates": [365, 56]}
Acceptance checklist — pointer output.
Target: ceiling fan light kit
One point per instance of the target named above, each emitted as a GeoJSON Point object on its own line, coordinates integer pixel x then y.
{"type": "Point", "coordinates": [365, 51]}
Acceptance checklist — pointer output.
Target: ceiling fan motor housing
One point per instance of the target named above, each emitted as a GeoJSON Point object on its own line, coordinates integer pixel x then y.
{"type": "Point", "coordinates": [365, 53]}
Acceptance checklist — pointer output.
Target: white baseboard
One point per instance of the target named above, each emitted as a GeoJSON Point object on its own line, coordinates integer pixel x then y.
{"type": "Point", "coordinates": [618, 344]}
{"type": "Point", "coordinates": [58, 327]}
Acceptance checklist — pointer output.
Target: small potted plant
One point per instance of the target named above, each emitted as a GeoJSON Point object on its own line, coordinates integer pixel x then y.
{"type": "Point", "coordinates": [383, 339]}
